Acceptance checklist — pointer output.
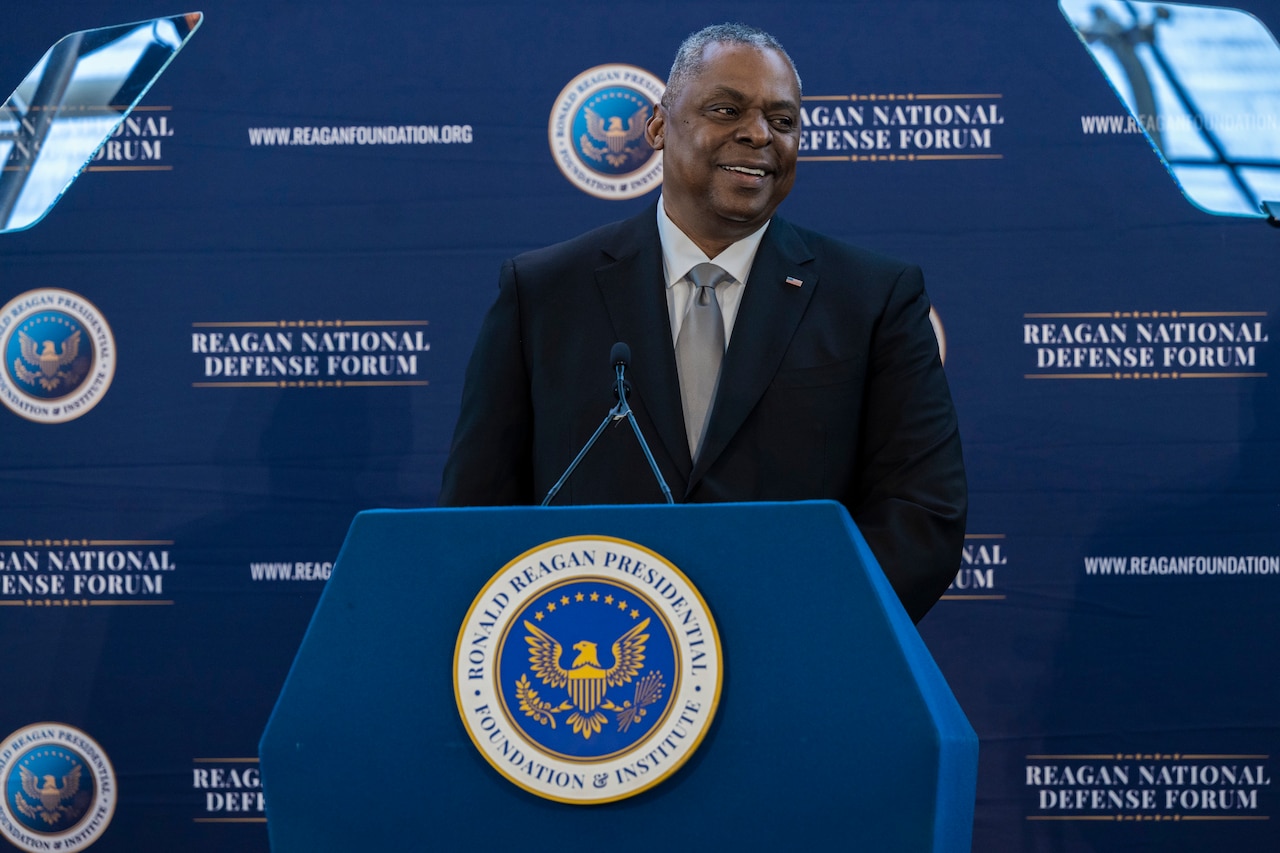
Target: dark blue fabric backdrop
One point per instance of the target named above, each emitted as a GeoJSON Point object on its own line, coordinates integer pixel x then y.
{"type": "Point", "coordinates": [1086, 688]}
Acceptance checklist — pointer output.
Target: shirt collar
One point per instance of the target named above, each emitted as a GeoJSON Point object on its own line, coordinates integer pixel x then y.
{"type": "Point", "coordinates": [680, 254]}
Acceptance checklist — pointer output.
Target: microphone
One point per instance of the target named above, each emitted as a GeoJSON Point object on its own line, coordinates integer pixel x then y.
{"type": "Point", "coordinates": [620, 355]}
{"type": "Point", "coordinates": [620, 358]}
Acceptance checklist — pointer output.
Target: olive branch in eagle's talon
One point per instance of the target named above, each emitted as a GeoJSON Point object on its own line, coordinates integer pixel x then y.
{"type": "Point", "coordinates": [648, 691]}
{"type": "Point", "coordinates": [543, 712]}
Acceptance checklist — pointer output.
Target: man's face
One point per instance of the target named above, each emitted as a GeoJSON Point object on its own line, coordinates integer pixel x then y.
{"type": "Point", "coordinates": [729, 142]}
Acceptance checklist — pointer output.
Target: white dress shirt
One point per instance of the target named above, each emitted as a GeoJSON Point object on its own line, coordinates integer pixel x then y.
{"type": "Point", "coordinates": [680, 255]}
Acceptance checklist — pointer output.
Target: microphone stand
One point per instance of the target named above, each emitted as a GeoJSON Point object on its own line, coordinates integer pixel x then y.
{"type": "Point", "coordinates": [622, 409]}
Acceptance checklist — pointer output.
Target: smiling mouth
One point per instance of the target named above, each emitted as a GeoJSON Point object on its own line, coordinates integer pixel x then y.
{"type": "Point", "coordinates": [745, 170]}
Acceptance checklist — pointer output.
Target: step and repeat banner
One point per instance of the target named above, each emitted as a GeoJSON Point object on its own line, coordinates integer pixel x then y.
{"type": "Point", "coordinates": [249, 317]}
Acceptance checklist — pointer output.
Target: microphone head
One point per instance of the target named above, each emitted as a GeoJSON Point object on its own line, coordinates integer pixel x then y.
{"type": "Point", "coordinates": [620, 354]}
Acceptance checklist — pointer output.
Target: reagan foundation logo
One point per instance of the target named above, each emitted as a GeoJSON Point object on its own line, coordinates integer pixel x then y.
{"type": "Point", "coordinates": [59, 788]}
{"type": "Point", "coordinates": [587, 670]}
{"type": "Point", "coordinates": [596, 131]}
{"type": "Point", "coordinates": [59, 355]}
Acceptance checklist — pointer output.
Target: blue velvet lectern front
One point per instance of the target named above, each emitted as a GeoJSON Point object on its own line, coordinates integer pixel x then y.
{"type": "Point", "coordinates": [834, 727]}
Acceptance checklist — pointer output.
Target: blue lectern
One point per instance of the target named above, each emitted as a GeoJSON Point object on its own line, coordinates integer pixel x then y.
{"type": "Point", "coordinates": [834, 726]}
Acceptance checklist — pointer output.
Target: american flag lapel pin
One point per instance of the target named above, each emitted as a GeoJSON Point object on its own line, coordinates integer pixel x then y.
{"type": "Point", "coordinates": [794, 282]}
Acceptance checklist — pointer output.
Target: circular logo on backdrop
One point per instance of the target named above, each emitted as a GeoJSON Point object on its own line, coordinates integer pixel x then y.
{"type": "Point", "coordinates": [59, 788]}
{"type": "Point", "coordinates": [587, 670]}
{"type": "Point", "coordinates": [597, 131]}
{"type": "Point", "coordinates": [59, 355]}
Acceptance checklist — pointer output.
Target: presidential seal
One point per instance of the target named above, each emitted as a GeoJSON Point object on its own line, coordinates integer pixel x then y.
{"type": "Point", "coordinates": [59, 788]}
{"type": "Point", "coordinates": [59, 355]}
{"type": "Point", "coordinates": [587, 670]}
{"type": "Point", "coordinates": [597, 131]}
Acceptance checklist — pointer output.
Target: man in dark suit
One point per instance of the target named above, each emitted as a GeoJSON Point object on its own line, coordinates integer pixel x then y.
{"type": "Point", "coordinates": [825, 379]}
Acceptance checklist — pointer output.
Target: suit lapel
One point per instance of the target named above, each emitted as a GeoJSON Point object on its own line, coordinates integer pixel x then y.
{"type": "Point", "coordinates": [768, 315]}
{"type": "Point", "coordinates": [632, 286]}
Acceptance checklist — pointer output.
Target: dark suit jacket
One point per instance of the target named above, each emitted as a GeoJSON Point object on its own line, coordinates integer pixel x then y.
{"type": "Point", "coordinates": [830, 389]}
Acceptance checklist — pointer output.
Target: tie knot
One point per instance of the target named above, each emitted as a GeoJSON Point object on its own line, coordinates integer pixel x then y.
{"type": "Point", "coordinates": [708, 275]}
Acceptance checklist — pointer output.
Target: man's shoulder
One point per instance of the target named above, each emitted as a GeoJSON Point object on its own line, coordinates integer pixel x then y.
{"type": "Point", "coordinates": [594, 247]}
{"type": "Point", "coordinates": [836, 254]}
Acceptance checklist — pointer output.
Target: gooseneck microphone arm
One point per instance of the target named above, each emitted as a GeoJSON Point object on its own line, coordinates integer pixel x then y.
{"type": "Point", "coordinates": [620, 357]}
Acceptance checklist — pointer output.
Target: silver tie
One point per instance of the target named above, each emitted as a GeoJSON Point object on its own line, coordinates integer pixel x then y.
{"type": "Point", "coordinates": [699, 351]}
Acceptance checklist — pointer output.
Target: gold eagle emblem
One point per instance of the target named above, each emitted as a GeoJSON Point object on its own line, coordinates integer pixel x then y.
{"type": "Point", "coordinates": [586, 680]}
{"type": "Point", "coordinates": [50, 800]}
{"type": "Point", "coordinates": [51, 367]}
{"type": "Point", "coordinates": [616, 137]}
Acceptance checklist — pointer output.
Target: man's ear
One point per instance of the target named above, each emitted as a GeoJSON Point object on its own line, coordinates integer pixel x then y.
{"type": "Point", "coordinates": [655, 128]}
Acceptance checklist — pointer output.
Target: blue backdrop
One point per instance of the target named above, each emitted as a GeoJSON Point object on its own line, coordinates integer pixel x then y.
{"type": "Point", "coordinates": [1110, 632]}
